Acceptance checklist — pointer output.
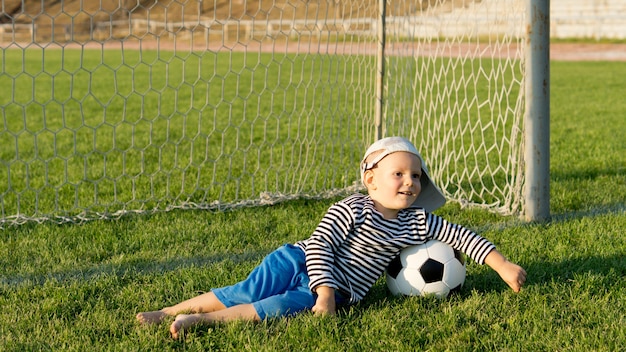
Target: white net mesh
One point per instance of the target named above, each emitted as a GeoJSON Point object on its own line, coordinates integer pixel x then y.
{"type": "Point", "coordinates": [124, 106]}
{"type": "Point", "coordinates": [455, 87]}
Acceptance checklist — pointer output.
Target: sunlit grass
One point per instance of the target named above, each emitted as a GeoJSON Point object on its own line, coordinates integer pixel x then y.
{"type": "Point", "coordinates": [78, 287]}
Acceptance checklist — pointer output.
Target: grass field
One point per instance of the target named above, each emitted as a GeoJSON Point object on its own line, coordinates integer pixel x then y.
{"type": "Point", "coordinates": [78, 287]}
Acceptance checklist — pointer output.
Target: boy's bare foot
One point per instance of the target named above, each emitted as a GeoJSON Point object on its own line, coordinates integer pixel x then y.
{"type": "Point", "coordinates": [182, 322]}
{"type": "Point", "coordinates": [153, 317]}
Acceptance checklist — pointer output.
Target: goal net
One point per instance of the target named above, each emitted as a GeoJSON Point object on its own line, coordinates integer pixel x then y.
{"type": "Point", "coordinates": [117, 106]}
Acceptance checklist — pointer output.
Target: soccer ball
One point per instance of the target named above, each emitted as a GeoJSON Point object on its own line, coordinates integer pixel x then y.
{"type": "Point", "coordinates": [432, 268]}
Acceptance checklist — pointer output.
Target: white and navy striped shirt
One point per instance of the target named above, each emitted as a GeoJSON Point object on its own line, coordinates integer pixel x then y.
{"type": "Point", "coordinates": [353, 244]}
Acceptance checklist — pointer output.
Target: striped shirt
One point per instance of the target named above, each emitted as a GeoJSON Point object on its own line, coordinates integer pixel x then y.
{"type": "Point", "coordinates": [353, 244]}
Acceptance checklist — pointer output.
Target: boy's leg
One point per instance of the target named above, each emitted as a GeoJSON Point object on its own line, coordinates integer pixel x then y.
{"type": "Point", "coordinates": [204, 303]}
{"type": "Point", "coordinates": [282, 270]}
{"type": "Point", "coordinates": [288, 303]}
{"type": "Point", "coordinates": [242, 312]}
{"type": "Point", "coordinates": [276, 287]}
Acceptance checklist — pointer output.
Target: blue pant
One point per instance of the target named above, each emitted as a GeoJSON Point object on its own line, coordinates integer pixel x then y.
{"type": "Point", "coordinates": [279, 286]}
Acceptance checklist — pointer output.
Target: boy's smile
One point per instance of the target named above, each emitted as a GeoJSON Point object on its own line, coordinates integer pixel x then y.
{"type": "Point", "coordinates": [394, 183]}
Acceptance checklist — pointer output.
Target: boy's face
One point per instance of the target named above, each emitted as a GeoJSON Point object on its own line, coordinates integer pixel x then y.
{"type": "Point", "coordinates": [394, 183]}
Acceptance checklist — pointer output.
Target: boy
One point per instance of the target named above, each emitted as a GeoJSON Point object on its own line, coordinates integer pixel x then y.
{"type": "Point", "coordinates": [350, 249]}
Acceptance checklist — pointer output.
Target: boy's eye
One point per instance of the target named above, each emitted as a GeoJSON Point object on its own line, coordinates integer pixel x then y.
{"type": "Point", "coordinates": [417, 176]}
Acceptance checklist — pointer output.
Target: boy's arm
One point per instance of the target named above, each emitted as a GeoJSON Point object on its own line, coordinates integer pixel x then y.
{"type": "Point", "coordinates": [320, 253]}
{"type": "Point", "coordinates": [513, 274]}
{"type": "Point", "coordinates": [325, 303]}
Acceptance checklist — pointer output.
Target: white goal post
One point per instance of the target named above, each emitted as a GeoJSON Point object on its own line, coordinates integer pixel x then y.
{"type": "Point", "coordinates": [111, 107]}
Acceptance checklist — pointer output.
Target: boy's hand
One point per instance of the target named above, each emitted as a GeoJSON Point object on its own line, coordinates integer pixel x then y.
{"type": "Point", "coordinates": [325, 303]}
{"type": "Point", "coordinates": [513, 274]}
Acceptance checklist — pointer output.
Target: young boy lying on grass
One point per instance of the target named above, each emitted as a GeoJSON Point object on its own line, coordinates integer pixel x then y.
{"type": "Point", "coordinates": [348, 251]}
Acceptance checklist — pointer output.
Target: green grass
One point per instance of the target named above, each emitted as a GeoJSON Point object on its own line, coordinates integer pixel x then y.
{"type": "Point", "coordinates": [78, 287]}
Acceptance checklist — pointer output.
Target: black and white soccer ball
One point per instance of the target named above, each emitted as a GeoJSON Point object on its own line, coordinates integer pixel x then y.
{"type": "Point", "coordinates": [432, 268]}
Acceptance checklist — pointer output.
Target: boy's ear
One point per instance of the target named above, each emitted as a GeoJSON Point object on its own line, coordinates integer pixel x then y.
{"type": "Point", "coordinates": [368, 179]}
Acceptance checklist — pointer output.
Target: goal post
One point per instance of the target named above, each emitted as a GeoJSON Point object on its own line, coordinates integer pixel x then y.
{"type": "Point", "coordinates": [114, 107]}
{"type": "Point", "coordinates": [537, 116]}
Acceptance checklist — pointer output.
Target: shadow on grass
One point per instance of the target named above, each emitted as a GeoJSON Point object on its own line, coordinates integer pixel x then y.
{"type": "Point", "coordinates": [589, 213]}
{"type": "Point", "coordinates": [539, 272]}
{"type": "Point", "coordinates": [609, 269]}
{"type": "Point", "coordinates": [597, 274]}
{"type": "Point", "coordinates": [135, 267]}
{"type": "Point", "coordinates": [561, 270]}
{"type": "Point", "coordinates": [485, 280]}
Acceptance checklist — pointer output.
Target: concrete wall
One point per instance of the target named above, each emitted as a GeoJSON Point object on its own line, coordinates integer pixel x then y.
{"type": "Point", "coordinates": [594, 19]}
{"type": "Point", "coordinates": [588, 19]}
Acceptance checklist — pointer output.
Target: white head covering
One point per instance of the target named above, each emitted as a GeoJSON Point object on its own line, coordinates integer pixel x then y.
{"type": "Point", "coordinates": [430, 198]}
